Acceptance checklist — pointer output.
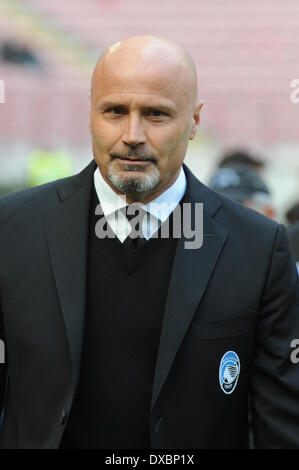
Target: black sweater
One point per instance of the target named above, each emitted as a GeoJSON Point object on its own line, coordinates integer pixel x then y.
{"type": "Point", "coordinates": [126, 295]}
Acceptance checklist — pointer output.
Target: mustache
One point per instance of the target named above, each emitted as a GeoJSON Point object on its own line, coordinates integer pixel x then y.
{"type": "Point", "coordinates": [133, 154]}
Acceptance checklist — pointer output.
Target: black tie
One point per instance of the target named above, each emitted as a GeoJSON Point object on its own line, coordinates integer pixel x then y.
{"type": "Point", "coordinates": [133, 242]}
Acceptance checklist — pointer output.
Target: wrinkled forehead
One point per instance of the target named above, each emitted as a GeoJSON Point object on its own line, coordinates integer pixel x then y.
{"type": "Point", "coordinates": [145, 73]}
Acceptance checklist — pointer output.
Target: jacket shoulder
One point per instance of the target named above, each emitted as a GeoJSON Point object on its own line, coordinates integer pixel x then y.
{"type": "Point", "coordinates": [231, 209]}
{"type": "Point", "coordinates": [35, 197]}
{"type": "Point", "coordinates": [46, 194]}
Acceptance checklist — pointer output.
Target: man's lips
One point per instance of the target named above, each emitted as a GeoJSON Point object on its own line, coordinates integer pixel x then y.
{"type": "Point", "coordinates": [133, 160]}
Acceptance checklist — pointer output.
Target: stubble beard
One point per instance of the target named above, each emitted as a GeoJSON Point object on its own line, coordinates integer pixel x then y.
{"type": "Point", "coordinates": [144, 181]}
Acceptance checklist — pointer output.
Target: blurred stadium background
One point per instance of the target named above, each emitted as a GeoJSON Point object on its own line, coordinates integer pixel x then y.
{"type": "Point", "coordinates": [246, 54]}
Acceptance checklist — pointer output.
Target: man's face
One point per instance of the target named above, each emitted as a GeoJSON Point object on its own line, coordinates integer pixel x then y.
{"type": "Point", "coordinates": [141, 121]}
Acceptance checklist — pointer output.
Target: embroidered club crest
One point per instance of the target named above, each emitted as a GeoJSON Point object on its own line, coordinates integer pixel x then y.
{"type": "Point", "coordinates": [229, 371]}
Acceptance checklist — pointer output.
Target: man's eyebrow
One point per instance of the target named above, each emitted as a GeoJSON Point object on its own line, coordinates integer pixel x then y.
{"type": "Point", "coordinates": [159, 107]}
{"type": "Point", "coordinates": [119, 104]}
{"type": "Point", "coordinates": [110, 104]}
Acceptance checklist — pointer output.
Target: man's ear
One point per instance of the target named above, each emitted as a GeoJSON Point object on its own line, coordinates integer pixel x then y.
{"type": "Point", "coordinates": [196, 121]}
{"type": "Point", "coordinates": [89, 125]}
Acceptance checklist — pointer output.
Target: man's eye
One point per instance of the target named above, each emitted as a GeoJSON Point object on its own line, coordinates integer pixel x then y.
{"type": "Point", "coordinates": [117, 110]}
{"type": "Point", "coordinates": [156, 113]}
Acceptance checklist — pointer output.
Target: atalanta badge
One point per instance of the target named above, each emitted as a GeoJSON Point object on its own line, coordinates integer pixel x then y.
{"type": "Point", "coordinates": [229, 371]}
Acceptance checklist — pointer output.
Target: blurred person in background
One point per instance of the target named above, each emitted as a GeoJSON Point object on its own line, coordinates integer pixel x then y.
{"type": "Point", "coordinates": [128, 342]}
{"type": "Point", "coordinates": [292, 215]}
{"type": "Point", "coordinates": [241, 156]}
{"type": "Point", "coordinates": [239, 182]}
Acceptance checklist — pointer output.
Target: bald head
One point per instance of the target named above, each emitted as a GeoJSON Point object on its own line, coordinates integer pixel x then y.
{"type": "Point", "coordinates": [149, 57]}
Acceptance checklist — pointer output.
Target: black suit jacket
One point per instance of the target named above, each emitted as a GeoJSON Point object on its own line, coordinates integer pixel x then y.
{"type": "Point", "coordinates": [293, 233]}
{"type": "Point", "coordinates": [238, 292]}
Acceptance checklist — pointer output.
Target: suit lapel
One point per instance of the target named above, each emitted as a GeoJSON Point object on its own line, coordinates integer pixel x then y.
{"type": "Point", "coordinates": [66, 227]}
{"type": "Point", "coordinates": [192, 269]}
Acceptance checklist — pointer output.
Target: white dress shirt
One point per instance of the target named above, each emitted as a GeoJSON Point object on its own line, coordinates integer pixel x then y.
{"type": "Point", "coordinates": [159, 209]}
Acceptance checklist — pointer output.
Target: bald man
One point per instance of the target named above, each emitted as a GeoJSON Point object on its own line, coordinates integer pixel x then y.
{"type": "Point", "coordinates": [140, 309]}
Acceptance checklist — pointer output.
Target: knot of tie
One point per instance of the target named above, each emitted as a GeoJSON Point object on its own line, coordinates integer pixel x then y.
{"type": "Point", "coordinates": [135, 215]}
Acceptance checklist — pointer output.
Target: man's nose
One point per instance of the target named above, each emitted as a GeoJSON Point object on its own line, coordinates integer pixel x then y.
{"type": "Point", "coordinates": [133, 132]}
